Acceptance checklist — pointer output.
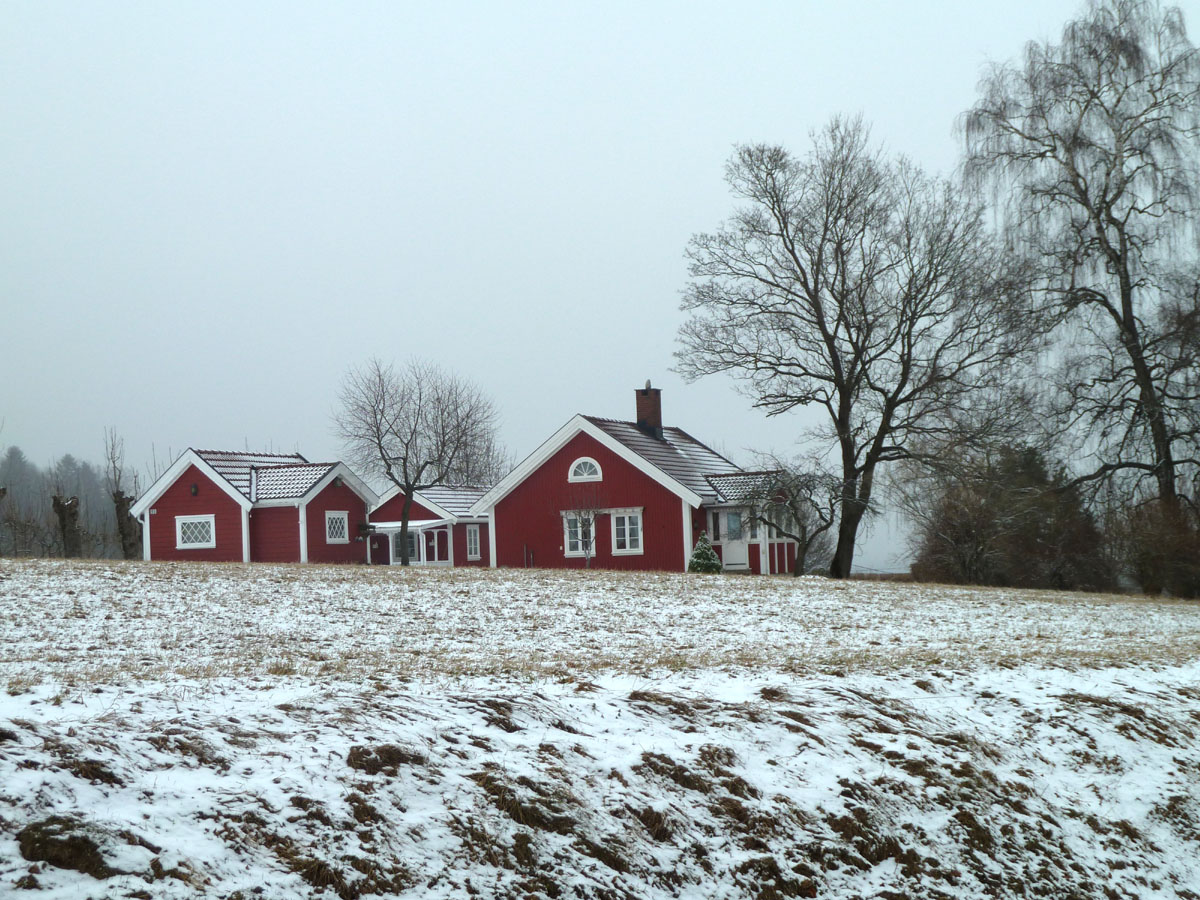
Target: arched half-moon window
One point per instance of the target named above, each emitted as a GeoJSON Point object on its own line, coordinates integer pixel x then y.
{"type": "Point", "coordinates": [585, 469]}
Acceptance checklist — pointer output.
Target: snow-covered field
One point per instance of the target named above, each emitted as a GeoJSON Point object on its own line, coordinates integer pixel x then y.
{"type": "Point", "coordinates": [262, 731]}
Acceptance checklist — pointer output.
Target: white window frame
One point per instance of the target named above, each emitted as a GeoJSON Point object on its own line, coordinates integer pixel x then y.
{"type": "Point", "coordinates": [333, 514]}
{"type": "Point", "coordinates": [473, 541]}
{"type": "Point", "coordinates": [212, 532]}
{"type": "Point", "coordinates": [580, 553]}
{"type": "Point", "coordinates": [627, 514]}
{"type": "Point", "coordinates": [572, 477]}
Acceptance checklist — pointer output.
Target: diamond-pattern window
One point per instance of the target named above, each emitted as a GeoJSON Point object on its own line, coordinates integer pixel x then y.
{"type": "Point", "coordinates": [194, 532]}
{"type": "Point", "coordinates": [337, 527]}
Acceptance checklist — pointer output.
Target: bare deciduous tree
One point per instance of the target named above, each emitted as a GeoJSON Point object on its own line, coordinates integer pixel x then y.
{"type": "Point", "coordinates": [417, 426]}
{"type": "Point", "coordinates": [129, 529]}
{"type": "Point", "coordinates": [800, 501]}
{"type": "Point", "coordinates": [860, 285]}
{"type": "Point", "coordinates": [1092, 142]}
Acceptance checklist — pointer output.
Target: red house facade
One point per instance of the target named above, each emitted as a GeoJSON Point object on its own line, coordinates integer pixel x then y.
{"type": "Point", "coordinates": [441, 529]}
{"type": "Point", "coordinates": [222, 506]}
{"type": "Point", "coordinates": [627, 495]}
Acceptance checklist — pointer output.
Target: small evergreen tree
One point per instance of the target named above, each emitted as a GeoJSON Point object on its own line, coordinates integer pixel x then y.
{"type": "Point", "coordinates": [704, 557]}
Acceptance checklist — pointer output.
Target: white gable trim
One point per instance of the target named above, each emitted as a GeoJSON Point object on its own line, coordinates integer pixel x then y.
{"type": "Point", "coordinates": [556, 442]}
{"type": "Point", "coordinates": [343, 471]}
{"type": "Point", "coordinates": [418, 497]}
{"type": "Point", "coordinates": [188, 458]}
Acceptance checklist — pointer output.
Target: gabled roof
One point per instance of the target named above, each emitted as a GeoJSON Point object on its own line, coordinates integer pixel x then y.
{"type": "Point", "coordinates": [285, 482]}
{"type": "Point", "coordinates": [451, 502]}
{"type": "Point", "coordinates": [740, 487]}
{"type": "Point", "coordinates": [235, 466]}
{"type": "Point", "coordinates": [456, 500]}
{"type": "Point", "coordinates": [677, 461]}
{"type": "Point", "coordinates": [678, 453]}
{"type": "Point", "coordinates": [278, 477]}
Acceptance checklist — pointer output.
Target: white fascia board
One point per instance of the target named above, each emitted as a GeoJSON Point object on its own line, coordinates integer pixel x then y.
{"type": "Point", "coordinates": [267, 504]}
{"type": "Point", "coordinates": [414, 525]}
{"type": "Point", "coordinates": [420, 498]}
{"type": "Point", "coordinates": [556, 442]}
{"type": "Point", "coordinates": [352, 481]}
{"type": "Point", "coordinates": [188, 458]}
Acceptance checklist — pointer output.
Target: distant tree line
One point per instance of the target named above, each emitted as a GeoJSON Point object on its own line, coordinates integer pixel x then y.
{"type": "Point", "coordinates": [1016, 349]}
{"type": "Point", "coordinates": [69, 508]}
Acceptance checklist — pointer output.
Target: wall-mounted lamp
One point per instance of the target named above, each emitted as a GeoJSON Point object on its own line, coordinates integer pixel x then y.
{"type": "Point", "coordinates": [195, 489]}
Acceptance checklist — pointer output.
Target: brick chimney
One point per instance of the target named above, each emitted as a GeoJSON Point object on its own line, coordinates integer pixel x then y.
{"type": "Point", "coordinates": [649, 410]}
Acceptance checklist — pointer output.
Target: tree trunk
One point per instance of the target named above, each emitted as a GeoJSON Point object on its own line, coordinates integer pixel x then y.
{"type": "Point", "coordinates": [129, 529]}
{"type": "Point", "coordinates": [67, 511]}
{"type": "Point", "coordinates": [404, 513]}
{"type": "Point", "coordinates": [843, 557]}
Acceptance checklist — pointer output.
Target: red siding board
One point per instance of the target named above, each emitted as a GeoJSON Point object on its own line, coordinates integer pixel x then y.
{"type": "Point", "coordinates": [460, 546]}
{"type": "Point", "coordinates": [275, 534]}
{"type": "Point", "coordinates": [209, 499]}
{"type": "Point", "coordinates": [529, 525]}
{"type": "Point", "coordinates": [336, 498]}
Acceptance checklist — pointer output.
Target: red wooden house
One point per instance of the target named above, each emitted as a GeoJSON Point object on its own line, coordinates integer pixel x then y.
{"type": "Point", "coordinates": [627, 495]}
{"type": "Point", "coordinates": [217, 505]}
{"type": "Point", "coordinates": [441, 529]}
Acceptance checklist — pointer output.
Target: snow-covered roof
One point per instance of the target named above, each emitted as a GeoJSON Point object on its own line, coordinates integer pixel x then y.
{"type": "Point", "coordinates": [235, 466]}
{"type": "Point", "coordinates": [740, 487]}
{"type": "Point", "coordinates": [286, 482]}
{"type": "Point", "coordinates": [456, 500]}
{"type": "Point", "coordinates": [678, 454]}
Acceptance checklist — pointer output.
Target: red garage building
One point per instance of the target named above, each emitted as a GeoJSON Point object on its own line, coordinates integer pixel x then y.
{"type": "Point", "coordinates": [218, 505]}
{"type": "Point", "coordinates": [627, 495]}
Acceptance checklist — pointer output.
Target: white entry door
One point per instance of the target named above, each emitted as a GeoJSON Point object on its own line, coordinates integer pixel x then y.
{"type": "Point", "coordinates": [736, 552]}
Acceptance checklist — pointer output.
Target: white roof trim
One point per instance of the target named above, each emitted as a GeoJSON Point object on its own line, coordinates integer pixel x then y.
{"type": "Point", "coordinates": [188, 458]}
{"type": "Point", "coordinates": [418, 497]}
{"type": "Point", "coordinates": [343, 471]}
{"type": "Point", "coordinates": [556, 442]}
{"type": "Point", "coordinates": [413, 524]}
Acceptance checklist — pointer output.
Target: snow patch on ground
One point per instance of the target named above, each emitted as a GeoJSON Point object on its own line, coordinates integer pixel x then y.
{"type": "Point", "coordinates": [858, 770]}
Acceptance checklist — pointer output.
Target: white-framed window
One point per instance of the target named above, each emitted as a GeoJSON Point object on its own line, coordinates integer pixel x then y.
{"type": "Point", "coordinates": [585, 469]}
{"type": "Point", "coordinates": [472, 542]}
{"type": "Point", "coordinates": [715, 532]}
{"type": "Point", "coordinates": [578, 539]}
{"type": "Point", "coordinates": [412, 546]}
{"type": "Point", "coordinates": [626, 532]}
{"type": "Point", "coordinates": [195, 532]}
{"type": "Point", "coordinates": [337, 527]}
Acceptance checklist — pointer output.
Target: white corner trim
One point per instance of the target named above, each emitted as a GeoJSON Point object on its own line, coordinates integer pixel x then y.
{"type": "Point", "coordinates": [491, 516]}
{"type": "Point", "coordinates": [688, 540]}
{"type": "Point", "coordinates": [245, 534]}
{"type": "Point", "coordinates": [303, 517]}
{"type": "Point", "coordinates": [556, 442]}
{"type": "Point", "coordinates": [187, 458]}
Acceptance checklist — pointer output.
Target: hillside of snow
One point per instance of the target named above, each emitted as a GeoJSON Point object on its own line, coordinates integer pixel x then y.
{"type": "Point", "coordinates": [284, 731]}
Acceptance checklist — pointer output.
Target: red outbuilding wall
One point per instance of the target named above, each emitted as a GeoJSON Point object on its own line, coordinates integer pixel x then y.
{"type": "Point", "coordinates": [340, 498]}
{"type": "Point", "coordinates": [275, 534]}
{"type": "Point", "coordinates": [529, 524]}
{"type": "Point", "coordinates": [209, 499]}
{"type": "Point", "coordinates": [460, 546]}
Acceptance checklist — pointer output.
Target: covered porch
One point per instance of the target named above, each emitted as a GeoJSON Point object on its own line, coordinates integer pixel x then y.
{"type": "Point", "coordinates": [430, 543]}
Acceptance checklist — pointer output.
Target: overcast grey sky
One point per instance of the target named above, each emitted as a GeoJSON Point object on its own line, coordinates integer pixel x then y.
{"type": "Point", "coordinates": [211, 210]}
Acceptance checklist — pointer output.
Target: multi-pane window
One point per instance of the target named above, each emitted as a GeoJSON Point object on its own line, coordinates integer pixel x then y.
{"type": "Point", "coordinates": [578, 538]}
{"type": "Point", "coordinates": [627, 532]}
{"type": "Point", "coordinates": [412, 547]}
{"type": "Point", "coordinates": [733, 526]}
{"type": "Point", "coordinates": [716, 525]}
{"type": "Point", "coordinates": [195, 532]}
{"type": "Point", "coordinates": [472, 542]}
{"type": "Point", "coordinates": [337, 527]}
{"type": "Point", "coordinates": [584, 469]}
